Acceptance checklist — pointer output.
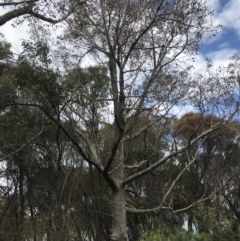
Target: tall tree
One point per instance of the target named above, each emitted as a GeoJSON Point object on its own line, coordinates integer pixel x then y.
{"type": "Point", "coordinates": [140, 45]}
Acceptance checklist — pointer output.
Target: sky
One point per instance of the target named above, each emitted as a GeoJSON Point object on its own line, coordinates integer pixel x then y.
{"type": "Point", "coordinates": [227, 41]}
{"type": "Point", "coordinates": [219, 48]}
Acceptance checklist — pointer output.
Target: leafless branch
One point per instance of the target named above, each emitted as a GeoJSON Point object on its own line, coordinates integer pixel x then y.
{"type": "Point", "coordinates": [28, 9]}
{"type": "Point", "coordinates": [175, 153]}
{"type": "Point", "coordinates": [132, 209]}
{"type": "Point", "coordinates": [136, 165]}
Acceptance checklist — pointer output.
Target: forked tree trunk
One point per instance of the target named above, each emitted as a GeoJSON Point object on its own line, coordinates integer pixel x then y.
{"type": "Point", "coordinates": [119, 224]}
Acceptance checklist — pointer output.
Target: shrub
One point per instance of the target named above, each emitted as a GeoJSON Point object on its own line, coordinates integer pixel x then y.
{"type": "Point", "coordinates": [175, 236]}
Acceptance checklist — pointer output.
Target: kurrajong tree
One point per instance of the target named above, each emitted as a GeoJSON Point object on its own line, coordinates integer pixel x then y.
{"type": "Point", "coordinates": [143, 46]}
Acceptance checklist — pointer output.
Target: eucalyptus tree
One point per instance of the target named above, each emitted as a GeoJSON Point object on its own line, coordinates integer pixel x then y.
{"type": "Point", "coordinates": [143, 47]}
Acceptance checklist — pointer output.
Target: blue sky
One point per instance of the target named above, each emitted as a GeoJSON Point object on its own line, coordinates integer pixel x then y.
{"type": "Point", "coordinates": [227, 38]}
{"type": "Point", "coordinates": [227, 42]}
{"type": "Point", "coordinates": [228, 15]}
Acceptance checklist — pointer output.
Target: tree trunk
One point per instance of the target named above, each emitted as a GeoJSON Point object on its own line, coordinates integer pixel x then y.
{"type": "Point", "coordinates": [95, 204]}
{"type": "Point", "coordinates": [21, 200]}
{"type": "Point", "coordinates": [190, 222]}
{"type": "Point", "coordinates": [119, 223]}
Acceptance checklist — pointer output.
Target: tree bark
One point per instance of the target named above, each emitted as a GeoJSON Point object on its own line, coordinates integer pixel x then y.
{"type": "Point", "coordinates": [119, 223]}
{"type": "Point", "coordinates": [15, 13]}
{"type": "Point", "coordinates": [21, 199]}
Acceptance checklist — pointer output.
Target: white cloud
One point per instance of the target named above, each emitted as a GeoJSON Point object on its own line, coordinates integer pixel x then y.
{"type": "Point", "coordinates": [224, 45]}
{"type": "Point", "coordinates": [219, 58]}
{"type": "Point", "coordinates": [15, 35]}
{"type": "Point", "coordinates": [222, 57]}
{"type": "Point", "coordinates": [179, 111]}
{"type": "Point", "coordinates": [215, 5]}
{"type": "Point", "coordinates": [229, 16]}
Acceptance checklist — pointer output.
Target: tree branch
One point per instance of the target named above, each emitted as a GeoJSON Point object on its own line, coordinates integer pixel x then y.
{"type": "Point", "coordinates": [19, 149]}
{"type": "Point", "coordinates": [28, 9]}
{"type": "Point", "coordinates": [75, 145]}
{"type": "Point", "coordinates": [160, 207]}
{"type": "Point", "coordinates": [175, 153]}
{"type": "Point", "coordinates": [50, 20]}
{"type": "Point", "coordinates": [137, 165]}
{"type": "Point", "coordinates": [140, 131]}
{"type": "Point", "coordinates": [131, 209]}
{"type": "Point", "coordinates": [202, 199]}
{"type": "Point", "coordinates": [18, 3]}
{"type": "Point", "coordinates": [15, 13]}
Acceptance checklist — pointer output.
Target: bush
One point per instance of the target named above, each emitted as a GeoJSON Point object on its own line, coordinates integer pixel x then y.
{"type": "Point", "coordinates": [176, 236]}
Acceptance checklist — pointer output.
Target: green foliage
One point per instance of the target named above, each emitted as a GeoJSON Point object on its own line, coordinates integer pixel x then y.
{"type": "Point", "coordinates": [36, 151]}
{"type": "Point", "coordinates": [217, 221]}
{"type": "Point", "coordinates": [36, 53]}
{"type": "Point", "coordinates": [41, 84]}
{"type": "Point", "coordinates": [175, 236]}
{"type": "Point", "coordinates": [8, 93]}
{"type": "Point", "coordinates": [92, 83]}
{"type": "Point", "coordinates": [5, 48]}
{"type": "Point", "coordinates": [35, 79]}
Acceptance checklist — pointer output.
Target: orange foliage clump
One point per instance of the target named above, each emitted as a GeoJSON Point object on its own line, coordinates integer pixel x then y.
{"type": "Point", "coordinates": [195, 123]}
